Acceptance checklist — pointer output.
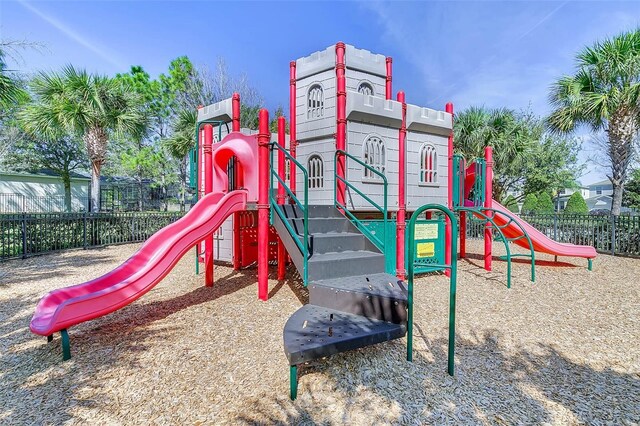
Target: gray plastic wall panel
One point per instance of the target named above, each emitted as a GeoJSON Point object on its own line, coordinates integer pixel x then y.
{"type": "Point", "coordinates": [420, 193]}
{"type": "Point", "coordinates": [316, 62]}
{"type": "Point", "coordinates": [223, 242]}
{"type": "Point", "coordinates": [357, 133]}
{"type": "Point", "coordinates": [355, 77]}
{"type": "Point", "coordinates": [428, 120]}
{"type": "Point", "coordinates": [219, 111]}
{"type": "Point", "coordinates": [310, 129]}
{"type": "Point", "coordinates": [364, 60]}
{"type": "Point", "coordinates": [325, 149]}
{"type": "Point", "coordinates": [373, 110]}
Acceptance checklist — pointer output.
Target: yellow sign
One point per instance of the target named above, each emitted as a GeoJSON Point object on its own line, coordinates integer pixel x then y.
{"type": "Point", "coordinates": [426, 250]}
{"type": "Point", "coordinates": [426, 231]}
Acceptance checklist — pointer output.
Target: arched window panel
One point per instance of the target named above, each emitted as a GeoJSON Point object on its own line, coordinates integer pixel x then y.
{"type": "Point", "coordinates": [366, 88]}
{"type": "Point", "coordinates": [428, 164]}
{"type": "Point", "coordinates": [315, 168]}
{"type": "Point", "coordinates": [374, 155]}
{"type": "Point", "coordinates": [315, 102]}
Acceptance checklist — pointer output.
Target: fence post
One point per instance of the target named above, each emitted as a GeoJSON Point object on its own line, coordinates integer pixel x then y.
{"type": "Point", "coordinates": [613, 235]}
{"type": "Point", "coordinates": [84, 230]}
{"type": "Point", "coordinates": [24, 235]}
{"type": "Point", "coordinates": [555, 226]}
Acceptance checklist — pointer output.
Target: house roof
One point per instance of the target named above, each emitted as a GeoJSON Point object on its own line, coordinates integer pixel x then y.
{"type": "Point", "coordinates": [602, 182]}
{"type": "Point", "coordinates": [45, 173]}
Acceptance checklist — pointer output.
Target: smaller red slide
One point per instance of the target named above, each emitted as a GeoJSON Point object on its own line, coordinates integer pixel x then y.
{"type": "Point", "coordinates": [541, 243]}
{"type": "Point", "coordinates": [68, 306]}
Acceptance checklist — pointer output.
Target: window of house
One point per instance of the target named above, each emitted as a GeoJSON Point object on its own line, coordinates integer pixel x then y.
{"type": "Point", "coordinates": [428, 164]}
{"type": "Point", "coordinates": [315, 167]}
{"type": "Point", "coordinates": [373, 153]}
{"type": "Point", "coordinates": [315, 102]}
{"type": "Point", "coordinates": [366, 88]}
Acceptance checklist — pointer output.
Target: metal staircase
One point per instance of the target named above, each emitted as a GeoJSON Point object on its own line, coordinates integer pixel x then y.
{"type": "Point", "coordinates": [352, 301]}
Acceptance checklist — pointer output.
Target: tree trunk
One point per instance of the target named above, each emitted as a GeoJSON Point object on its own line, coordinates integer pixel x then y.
{"type": "Point", "coordinates": [96, 140]}
{"type": "Point", "coordinates": [66, 180]}
{"type": "Point", "coordinates": [183, 183]}
{"type": "Point", "coordinates": [623, 128]}
{"type": "Point", "coordinates": [95, 185]}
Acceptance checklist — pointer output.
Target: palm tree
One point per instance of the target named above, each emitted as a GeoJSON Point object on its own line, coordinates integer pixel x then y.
{"type": "Point", "coordinates": [510, 135]}
{"type": "Point", "coordinates": [604, 94]}
{"type": "Point", "coordinates": [10, 91]}
{"type": "Point", "coordinates": [91, 106]}
{"type": "Point", "coordinates": [179, 144]}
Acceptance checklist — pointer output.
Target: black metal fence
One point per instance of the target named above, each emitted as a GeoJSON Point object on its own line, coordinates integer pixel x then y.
{"type": "Point", "coordinates": [24, 235]}
{"type": "Point", "coordinates": [617, 235]}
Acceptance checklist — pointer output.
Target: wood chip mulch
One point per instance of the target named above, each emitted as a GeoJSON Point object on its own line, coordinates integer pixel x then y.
{"type": "Point", "coordinates": [562, 350]}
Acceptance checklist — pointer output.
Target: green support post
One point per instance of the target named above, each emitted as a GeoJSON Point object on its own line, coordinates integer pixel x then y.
{"type": "Point", "coordinates": [452, 283]}
{"type": "Point", "coordinates": [293, 382]}
{"type": "Point", "coordinates": [590, 264]}
{"type": "Point", "coordinates": [66, 346]}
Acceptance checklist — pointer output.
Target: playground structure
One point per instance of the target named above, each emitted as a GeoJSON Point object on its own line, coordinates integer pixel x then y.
{"type": "Point", "coordinates": [359, 163]}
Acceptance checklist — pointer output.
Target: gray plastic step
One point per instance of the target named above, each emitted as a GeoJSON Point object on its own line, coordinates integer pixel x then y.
{"type": "Point", "coordinates": [337, 241]}
{"type": "Point", "coordinates": [379, 296]}
{"type": "Point", "coordinates": [323, 225]}
{"type": "Point", "coordinates": [324, 266]}
{"type": "Point", "coordinates": [314, 332]}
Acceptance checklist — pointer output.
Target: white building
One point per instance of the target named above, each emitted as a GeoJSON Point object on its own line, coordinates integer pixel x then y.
{"type": "Point", "coordinates": [41, 192]}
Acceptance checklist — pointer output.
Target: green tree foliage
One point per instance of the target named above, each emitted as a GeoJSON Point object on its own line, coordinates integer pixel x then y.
{"type": "Point", "coordinates": [631, 197]}
{"type": "Point", "coordinates": [526, 159]}
{"type": "Point", "coordinates": [530, 204]}
{"type": "Point", "coordinates": [62, 156]}
{"type": "Point", "coordinates": [94, 107]}
{"type": "Point", "coordinates": [512, 204]}
{"type": "Point", "coordinates": [576, 204]}
{"type": "Point", "coordinates": [11, 90]}
{"type": "Point", "coordinates": [544, 204]}
{"type": "Point", "coordinates": [604, 94]}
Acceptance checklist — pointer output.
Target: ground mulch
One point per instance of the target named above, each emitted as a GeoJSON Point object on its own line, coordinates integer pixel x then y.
{"type": "Point", "coordinates": [562, 350]}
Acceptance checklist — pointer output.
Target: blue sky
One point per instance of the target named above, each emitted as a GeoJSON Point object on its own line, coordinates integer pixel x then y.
{"type": "Point", "coordinates": [471, 53]}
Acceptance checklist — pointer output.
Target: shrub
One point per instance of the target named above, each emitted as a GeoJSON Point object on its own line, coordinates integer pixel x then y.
{"type": "Point", "coordinates": [544, 204]}
{"type": "Point", "coordinates": [530, 203]}
{"type": "Point", "coordinates": [576, 204]}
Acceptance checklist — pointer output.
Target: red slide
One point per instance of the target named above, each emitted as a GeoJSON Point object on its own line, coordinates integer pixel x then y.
{"type": "Point", "coordinates": [68, 306]}
{"type": "Point", "coordinates": [541, 243]}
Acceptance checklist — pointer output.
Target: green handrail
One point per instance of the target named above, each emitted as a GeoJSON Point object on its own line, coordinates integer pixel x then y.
{"type": "Point", "coordinates": [459, 166]}
{"type": "Point", "coordinates": [479, 183]}
{"type": "Point", "coordinates": [480, 211]}
{"type": "Point", "coordinates": [452, 281]}
{"type": "Point", "coordinates": [379, 243]}
{"type": "Point", "coordinates": [302, 244]}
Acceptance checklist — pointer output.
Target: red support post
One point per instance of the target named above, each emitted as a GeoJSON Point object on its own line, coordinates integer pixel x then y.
{"type": "Point", "coordinates": [208, 188]}
{"type": "Point", "coordinates": [235, 112]}
{"type": "Point", "coordinates": [235, 126]}
{"type": "Point", "coordinates": [263, 204]}
{"type": "Point", "coordinates": [488, 198]}
{"type": "Point", "coordinates": [292, 125]}
{"type": "Point", "coordinates": [449, 108]}
{"type": "Point", "coordinates": [388, 92]}
{"type": "Point", "coordinates": [401, 271]}
{"type": "Point", "coordinates": [341, 118]}
{"type": "Point", "coordinates": [282, 253]}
